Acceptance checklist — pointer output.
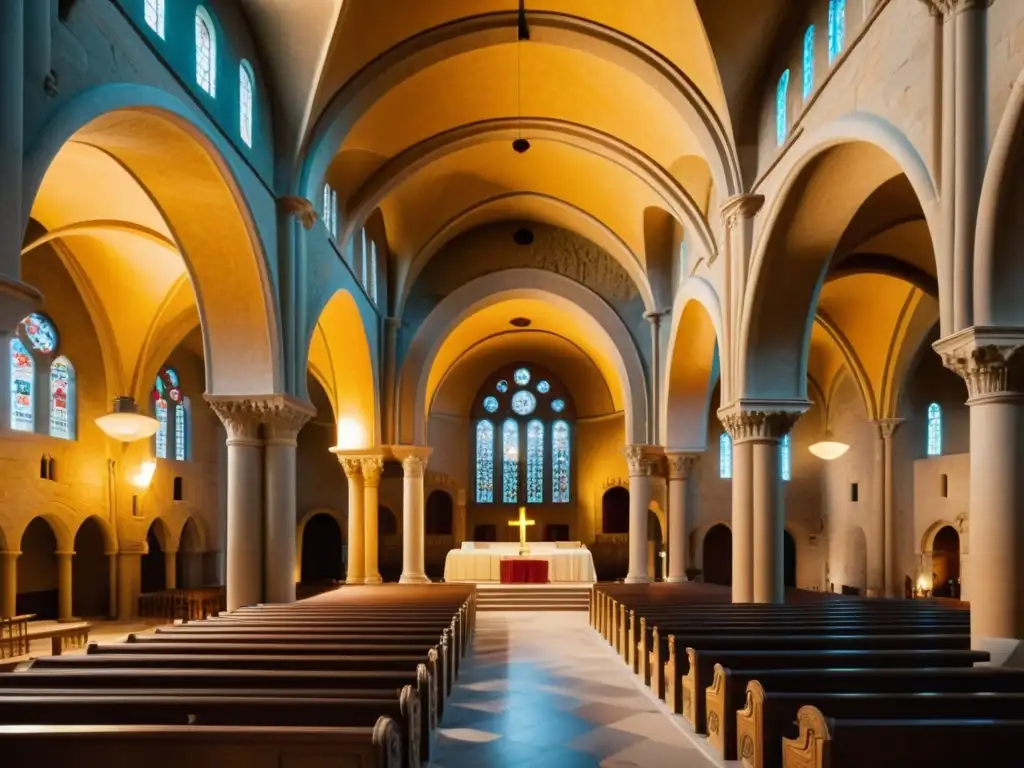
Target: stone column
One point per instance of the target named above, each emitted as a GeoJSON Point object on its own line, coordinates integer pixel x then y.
{"type": "Point", "coordinates": [12, 135]}
{"type": "Point", "coordinates": [876, 540]}
{"type": "Point", "coordinates": [679, 467]}
{"type": "Point", "coordinates": [241, 419]}
{"type": "Point", "coordinates": [64, 586]}
{"type": "Point", "coordinates": [8, 583]}
{"type": "Point", "coordinates": [893, 581]}
{"type": "Point", "coordinates": [996, 517]}
{"type": "Point", "coordinates": [414, 462]}
{"type": "Point", "coordinates": [356, 569]}
{"type": "Point", "coordinates": [392, 325]}
{"type": "Point", "coordinates": [129, 579]}
{"type": "Point", "coordinates": [737, 214]}
{"type": "Point", "coordinates": [372, 468]}
{"type": "Point", "coordinates": [642, 461]}
{"type": "Point", "coordinates": [653, 416]}
{"type": "Point", "coordinates": [112, 584]}
{"type": "Point", "coordinates": [170, 569]}
{"type": "Point", "coordinates": [283, 419]}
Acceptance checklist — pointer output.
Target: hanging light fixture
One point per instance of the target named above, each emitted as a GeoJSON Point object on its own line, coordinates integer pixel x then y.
{"type": "Point", "coordinates": [125, 423]}
{"type": "Point", "coordinates": [828, 449]}
{"type": "Point", "coordinates": [520, 145]}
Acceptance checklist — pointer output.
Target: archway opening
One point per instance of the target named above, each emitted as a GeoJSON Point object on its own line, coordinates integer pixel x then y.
{"type": "Point", "coordinates": [856, 563]}
{"type": "Point", "coordinates": [389, 545]}
{"type": "Point", "coordinates": [37, 571]}
{"type": "Point", "coordinates": [90, 574]}
{"type": "Point", "coordinates": [440, 514]}
{"type": "Point", "coordinates": [154, 562]}
{"type": "Point", "coordinates": [788, 560]}
{"type": "Point", "coordinates": [321, 550]}
{"type": "Point", "coordinates": [717, 553]}
{"type": "Point", "coordinates": [655, 547]}
{"type": "Point", "coordinates": [615, 510]}
{"type": "Point", "coordinates": [946, 563]}
{"type": "Point", "coordinates": [189, 565]}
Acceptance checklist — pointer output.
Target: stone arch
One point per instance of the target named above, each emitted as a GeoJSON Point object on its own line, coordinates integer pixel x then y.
{"type": "Point", "coordinates": [90, 574]}
{"type": "Point", "coordinates": [484, 30]}
{"type": "Point", "coordinates": [615, 510]}
{"type": "Point", "coordinates": [588, 310]}
{"type": "Point", "coordinates": [928, 538]}
{"type": "Point", "coordinates": [106, 529]}
{"type": "Point", "coordinates": [37, 577]}
{"type": "Point", "coordinates": [946, 562]}
{"type": "Point", "coordinates": [159, 541]}
{"type": "Point", "coordinates": [716, 554]}
{"type": "Point", "coordinates": [54, 515]}
{"type": "Point", "coordinates": [779, 304]}
{"type": "Point", "coordinates": [692, 367]}
{"type": "Point", "coordinates": [440, 513]}
{"type": "Point", "coordinates": [167, 146]}
{"type": "Point", "coordinates": [315, 558]}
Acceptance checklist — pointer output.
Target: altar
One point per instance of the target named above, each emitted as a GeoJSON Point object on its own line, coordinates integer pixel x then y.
{"type": "Point", "coordinates": [480, 561]}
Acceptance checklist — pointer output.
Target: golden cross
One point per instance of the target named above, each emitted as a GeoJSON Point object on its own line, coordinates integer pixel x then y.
{"type": "Point", "coordinates": [521, 523]}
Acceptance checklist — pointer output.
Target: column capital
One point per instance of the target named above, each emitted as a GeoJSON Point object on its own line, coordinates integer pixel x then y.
{"type": "Point", "coordinates": [887, 427]}
{"type": "Point", "coordinates": [284, 416]}
{"type": "Point", "coordinates": [241, 417]}
{"type": "Point", "coordinates": [300, 208]}
{"type": "Point", "coordinates": [980, 356]}
{"type": "Point", "coordinates": [373, 466]}
{"type": "Point", "coordinates": [761, 420]}
{"type": "Point", "coordinates": [353, 465]}
{"type": "Point", "coordinates": [947, 9]}
{"type": "Point", "coordinates": [413, 457]}
{"type": "Point", "coordinates": [393, 322]}
{"type": "Point", "coordinates": [680, 464]}
{"type": "Point", "coordinates": [737, 207]}
{"type": "Point", "coordinates": [10, 553]}
{"type": "Point", "coordinates": [643, 460]}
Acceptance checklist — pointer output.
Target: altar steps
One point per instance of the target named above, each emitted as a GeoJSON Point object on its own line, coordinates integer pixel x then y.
{"type": "Point", "coordinates": [533, 597]}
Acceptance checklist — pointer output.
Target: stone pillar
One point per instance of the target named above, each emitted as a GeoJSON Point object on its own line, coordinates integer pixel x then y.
{"type": "Point", "coordinates": [679, 467]}
{"type": "Point", "coordinates": [653, 417]}
{"type": "Point", "coordinates": [241, 419]}
{"type": "Point", "coordinates": [876, 538]}
{"type": "Point", "coordinates": [372, 468]}
{"type": "Point", "coordinates": [9, 583]}
{"type": "Point", "coordinates": [356, 569]}
{"type": "Point", "coordinates": [64, 586]}
{"type": "Point", "coordinates": [392, 325]}
{"type": "Point", "coordinates": [282, 421]}
{"type": "Point", "coordinates": [996, 510]}
{"type": "Point", "coordinates": [112, 584]}
{"type": "Point", "coordinates": [893, 581]}
{"type": "Point", "coordinates": [642, 461]}
{"type": "Point", "coordinates": [129, 580]}
{"type": "Point", "coordinates": [737, 214]}
{"type": "Point", "coordinates": [170, 569]}
{"type": "Point", "coordinates": [414, 462]}
{"type": "Point", "coordinates": [12, 135]}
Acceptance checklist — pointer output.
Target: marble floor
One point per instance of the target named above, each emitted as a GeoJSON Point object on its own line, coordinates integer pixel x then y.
{"type": "Point", "coordinates": [544, 690]}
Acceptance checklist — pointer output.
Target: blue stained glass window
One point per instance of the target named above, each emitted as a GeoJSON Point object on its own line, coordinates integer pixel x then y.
{"type": "Point", "coordinates": [180, 434]}
{"type": "Point", "coordinates": [808, 61]}
{"type": "Point", "coordinates": [521, 377]}
{"type": "Point", "coordinates": [502, 386]}
{"type": "Point", "coordinates": [534, 462]}
{"type": "Point", "coordinates": [484, 462]}
{"type": "Point", "coordinates": [543, 387]}
{"type": "Point", "coordinates": [725, 456]}
{"type": "Point", "coordinates": [160, 411]}
{"type": "Point", "coordinates": [490, 403]}
{"type": "Point", "coordinates": [784, 458]}
{"type": "Point", "coordinates": [934, 430]}
{"type": "Point", "coordinates": [781, 119]}
{"type": "Point", "coordinates": [245, 98]}
{"type": "Point", "coordinates": [560, 462]}
{"type": "Point", "coordinates": [836, 28]}
{"type": "Point", "coordinates": [524, 402]}
{"type": "Point", "coordinates": [40, 333]}
{"type": "Point", "coordinates": [206, 53]}
{"type": "Point", "coordinates": [558, 406]}
{"type": "Point", "coordinates": [154, 14]}
{"type": "Point", "coordinates": [22, 389]}
{"type": "Point", "coordinates": [510, 462]}
{"type": "Point", "coordinates": [62, 399]}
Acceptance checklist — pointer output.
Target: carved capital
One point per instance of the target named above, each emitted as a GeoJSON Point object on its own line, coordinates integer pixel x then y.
{"type": "Point", "coordinates": [284, 417]}
{"type": "Point", "coordinates": [981, 356]}
{"type": "Point", "coordinates": [300, 208]}
{"type": "Point", "coordinates": [740, 207]}
{"type": "Point", "coordinates": [241, 418]}
{"type": "Point", "coordinates": [372, 468]}
{"type": "Point", "coordinates": [753, 421]}
{"type": "Point", "coordinates": [887, 427]}
{"type": "Point", "coordinates": [413, 466]}
{"type": "Point", "coordinates": [947, 9]}
{"type": "Point", "coordinates": [643, 460]}
{"type": "Point", "coordinates": [352, 465]}
{"type": "Point", "coordinates": [681, 464]}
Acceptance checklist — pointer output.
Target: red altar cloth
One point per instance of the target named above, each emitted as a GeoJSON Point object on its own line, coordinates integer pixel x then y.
{"type": "Point", "coordinates": [519, 571]}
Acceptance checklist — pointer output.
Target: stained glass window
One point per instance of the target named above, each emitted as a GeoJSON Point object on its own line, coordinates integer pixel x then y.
{"type": "Point", "coordinates": [781, 98]}
{"type": "Point", "coordinates": [484, 462]}
{"type": "Point", "coordinates": [502, 386]}
{"type": "Point", "coordinates": [154, 13]}
{"type": "Point", "coordinates": [490, 403]}
{"type": "Point", "coordinates": [836, 28]}
{"type": "Point", "coordinates": [534, 462]}
{"type": "Point", "coordinates": [245, 96]}
{"type": "Point", "coordinates": [510, 462]}
{"type": "Point", "coordinates": [784, 458]}
{"type": "Point", "coordinates": [521, 377]}
{"type": "Point", "coordinates": [206, 53]}
{"type": "Point", "coordinates": [524, 402]}
{"type": "Point", "coordinates": [808, 62]}
{"type": "Point", "coordinates": [373, 271]}
{"type": "Point", "coordinates": [180, 436]}
{"type": "Point", "coordinates": [725, 456]}
{"type": "Point", "coordinates": [366, 263]}
{"type": "Point", "coordinates": [543, 387]}
{"type": "Point", "coordinates": [62, 399]}
{"type": "Point", "coordinates": [558, 406]}
{"type": "Point", "coordinates": [560, 462]}
{"type": "Point", "coordinates": [22, 391]}
{"type": "Point", "coordinates": [171, 410]}
{"type": "Point", "coordinates": [160, 412]}
{"type": "Point", "coordinates": [40, 333]}
{"type": "Point", "coordinates": [934, 430]}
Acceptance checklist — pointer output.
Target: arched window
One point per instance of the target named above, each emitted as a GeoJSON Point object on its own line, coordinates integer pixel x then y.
{"type": "Point", "coordinates": [171, 410]}
{"type": "Point", "coordinates": [22, 389]}
{"type": "Point", "coordinates": [331, 210]}
{"type": "Point", "coordinates": [535, 462]}
{"type": "Point", "coordinates": [725, 456]}
{"type": "Point", "coordinates": [808, 62]}
{"type": "Point", "coordinates": [934, 430]}
{"type": "Point", "coordinates": [836, 28]}
{"type": "Point", "coordinates": [781, 99]}
{"type": "Point", "coordinates": [484, 462]}
{"type": "Point", "coordinates": [560, 462]}
{"type": "Point", "coordinates": [246, 86]}
{"type": "Point", "coordinates": [365, 261]}
{"type": "Point", "coordinates": [206, 52]}
{"type": "Point", "coordinates": [510, 461]}
{"type": "Point", "coordinates": [373, 271]}
{"type": "Point", "coordinates": [62, 399]}
{"type": "Point", "coordinates": [154, 13]}
{"type": "Point", "coordinates": [784, 458]}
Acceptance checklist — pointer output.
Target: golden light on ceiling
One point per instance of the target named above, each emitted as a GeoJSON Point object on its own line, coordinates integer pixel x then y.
{"type": "Point", "coordinates": [125, 423]}
{"type": "Point", "coordinates": [828, 450]}
{"type": "Point", "coordinates": [351, 435]}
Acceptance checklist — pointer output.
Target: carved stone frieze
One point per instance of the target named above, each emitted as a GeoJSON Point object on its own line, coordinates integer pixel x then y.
{"type": "Point", "coordinates": [643, 460]}
{"type": "Point", "coordinates": [372, 468]}
{"type": "Point", "coordinates": [300, 208]}
{"type": "Point", "coordinates": [981, 357]}
{"type": "Point", "coordinates": [681, 464]}
{"type": "Point", "coordinates": [742, 424]}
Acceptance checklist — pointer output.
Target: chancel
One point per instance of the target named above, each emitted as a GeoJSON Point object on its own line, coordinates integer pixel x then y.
{"type": "Point", "coordinates": [411, 353]}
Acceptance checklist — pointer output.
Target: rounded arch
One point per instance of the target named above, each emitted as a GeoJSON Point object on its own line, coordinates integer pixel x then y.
{"type": "Point", "coordinates": [318, 560]}
{"type": "Point", "coordinates": [160, 531]}
{"type": "Point", "coordinates": [779, 304]}
{"type": "Point", "coordinates": [588, 310]}
{"type": "Point", "coordinates": [615, 510]}
{"type": "Point", "coordinates": [167, 146]}
{"type": "Point", "coordinates": [692, 367]}
{"type": "Point", "coordinates": [716, 555]}
{"type": "Point", "coordinates": [106, 529]}
{"type": "Point", "coordinates": [476, 32]}
{"type": "Point", "coordinates": [440, 513]}
{"type": "Point", "coordinates": [928, 538]}
{"type": "Point", "coordinates": [54, 517]}
{"type": "Point", "coordinates": [90, 580]}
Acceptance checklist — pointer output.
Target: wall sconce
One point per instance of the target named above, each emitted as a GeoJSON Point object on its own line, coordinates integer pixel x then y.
{"type": "Point", "coordinates": [141, 480]}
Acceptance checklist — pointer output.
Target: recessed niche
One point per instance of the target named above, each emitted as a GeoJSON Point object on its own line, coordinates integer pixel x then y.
{"type": "Point", "coordinates": [177, 489]}
{"type": "Point", "coordinates": [523, 236]}
{"type": "Point", "coordinates": [854, 492]}
{"type": "Point", "coordinates": [944, 485]}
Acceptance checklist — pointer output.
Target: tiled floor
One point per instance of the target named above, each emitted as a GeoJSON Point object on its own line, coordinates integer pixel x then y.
{"type": "Point", "coordinates": [543, 690]}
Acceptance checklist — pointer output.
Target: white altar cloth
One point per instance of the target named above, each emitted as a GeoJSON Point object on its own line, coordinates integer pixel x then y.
{"type": "Point", "coordinates": [481, 562]}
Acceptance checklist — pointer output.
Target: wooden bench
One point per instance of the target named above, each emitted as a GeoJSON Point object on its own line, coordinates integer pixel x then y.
{"type": "Point", "coordinates": [825, 742]}
{"type": "Point", "coordinates": [203, 747]}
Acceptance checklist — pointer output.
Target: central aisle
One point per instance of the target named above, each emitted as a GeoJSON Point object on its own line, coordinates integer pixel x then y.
{"type": "Point", "coordinates": [544, 690]}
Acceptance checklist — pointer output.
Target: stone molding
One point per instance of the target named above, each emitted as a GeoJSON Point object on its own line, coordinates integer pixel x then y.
{"type": "Point", "coordinates": [413, 466]}
{"type": "Point", "coordinates": [643, 460]}
{"type": "Point", "coordinates": [300, 208]}
{"type": "Point", "coordinates": [739, 207]}
{"type": "Point", "coordinates": [241, 418]}
{"type": "Point", "coordinates": [680, 465]}
{"type": "Point", "coordinates": [284, 419]}
{"type": "Point", "coordinates": [946, 9]}
{"type": "Point", "coordinates": [981, 356]}
{"type": "Point", "coordinates": [757, 421]}
{"type": "Point", "coordinates": [373, 466]}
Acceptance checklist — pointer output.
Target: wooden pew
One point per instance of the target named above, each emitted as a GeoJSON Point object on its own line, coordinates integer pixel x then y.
{"type": "Point", "coordinates": [727, 693]}
{"type": "Point", "coordinates": [825, 742]}
{"type": "Point", "coordinates": [202, 747]}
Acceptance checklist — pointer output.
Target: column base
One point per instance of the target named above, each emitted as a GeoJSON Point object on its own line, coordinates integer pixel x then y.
{"type": "Point", "coordinates": [354, 580]}
{"type": "Point", "coordinates": [414, 578]}
{"type": "Point", "coordinates": [644, 579]}
{"type": "Point", "coordinates": [373, 579]}
{"type": "Point", "coordinates": [677, 579]}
